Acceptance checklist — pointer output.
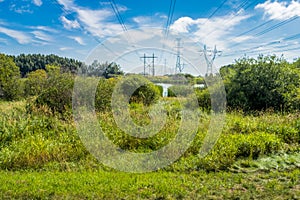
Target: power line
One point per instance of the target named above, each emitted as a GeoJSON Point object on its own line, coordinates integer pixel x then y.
{"type": "Point", "coordinates": [170, 16]}
{"type": "Point", "coordinates": [250, 50]}
{"type": "Point", "coordinates": [211, 15]}
{"type": "Point", "coordinates": [255, 28]}
{"type": "Point", "coordinates": [242, 5]}
{"type": "Point", "coordinates": [277, 25]}
{"type": "Point", "coordinates": [117, 14]}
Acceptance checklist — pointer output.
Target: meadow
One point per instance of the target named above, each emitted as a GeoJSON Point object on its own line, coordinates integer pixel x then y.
{"type": "Point", "coordinates": [42, 156]}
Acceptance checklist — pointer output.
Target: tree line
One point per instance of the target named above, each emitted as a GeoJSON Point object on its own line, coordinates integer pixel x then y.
{"type": "Point", "coordinates": [262, 83]}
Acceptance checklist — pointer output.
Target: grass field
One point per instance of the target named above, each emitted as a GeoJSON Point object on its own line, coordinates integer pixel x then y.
{"type": "Point", "coordinates": [156, 185]}
{"type": "Point", "coordinates": [42, 157]}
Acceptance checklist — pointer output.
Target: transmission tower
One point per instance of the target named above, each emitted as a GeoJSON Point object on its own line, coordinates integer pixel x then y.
{"type": "Point", "coordinates": [150, 69]}
{"type": "Point", "coordinates": [210, 56]}
{"type": "Point", "coordinates": [179, 67]}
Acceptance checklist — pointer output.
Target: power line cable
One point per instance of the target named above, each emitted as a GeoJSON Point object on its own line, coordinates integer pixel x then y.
{"type": "Point", "coordinates": [211, 15]}
{"type": "Point", "coordinates": [277, 25]}
{"type": "Point", "coordinates": [117, 14]}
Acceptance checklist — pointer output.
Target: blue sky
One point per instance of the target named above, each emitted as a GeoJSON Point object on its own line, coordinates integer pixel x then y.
{"type": "Point", "coordinates": [73, 28]}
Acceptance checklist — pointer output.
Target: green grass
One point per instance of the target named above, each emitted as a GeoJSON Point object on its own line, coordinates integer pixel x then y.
{"type": "Point", "coordinates": [42, 157]}
{"type": "Point", "coordinates": [157, 185]}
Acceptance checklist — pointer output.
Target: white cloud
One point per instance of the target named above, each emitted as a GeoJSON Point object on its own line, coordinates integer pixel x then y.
{"type": "Point", "coordinates": [21, 37]}
{"type": "Point", "coordinates": [79, 40]}
{"type": "Point", "coordinates": [38, 2]}
{"type": "Point", "coordinates": [280, 10]}
{"type": "Point", "coordinates": [20, 9]}
{"type": "Point", "coordinates": [95, 22]}
{"type": "Point", "coordinates": [209, 31]}
{"type": "Point", "coordinates": [68, 4]}
{"type": "Point", "coordinates": [4, 41]}
{"type": "Point", "coordinates": [69, 24]}
{"type": "Point", "coordinates": [65, 48]}
{"type": "Point", "coordinates": [183, 24]}
{"type": "Point", "coordinates": [44, 28]}
{"type": "Point", "coordinates": [156, 20]}
{"type": "Point", "coordinates": [42, 36]}
{"type": "Point", "coordinates": [142, 20]}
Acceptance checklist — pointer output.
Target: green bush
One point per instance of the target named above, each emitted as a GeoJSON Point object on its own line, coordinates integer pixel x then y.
{"type": "Point", "coordinates": [203, 98]}
{"type": "Point", "coordinates": [140, 89]}
{"type": "Point", "coordinates": [35, 82]}
{"type": "Point", "coordinates": [10, 81]}
{"type": "Point", "coordinates": [58, 93]}
{"type": "Point", "coordinates": [268, 82]}
{"type": "Point", "coordinates": [104, 94]}
{"type": "Point", "coordinates": [161, 89]}
{"type": "Point", "coordinates": [180, 91]}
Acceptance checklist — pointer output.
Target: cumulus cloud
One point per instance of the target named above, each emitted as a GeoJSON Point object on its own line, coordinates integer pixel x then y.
{"type": "Point", "coordinates": [69, 24]}
{"type": "Point", "coordinates": [183, 24]}
{"type": "Point", "coordinates": [209, 31]}
{"type": "Point", "coordinates": [21, 37]}
{"type": "Point", "coordinates": [37, 2]}
{"type": "Point", "coordinates": [280, 10]}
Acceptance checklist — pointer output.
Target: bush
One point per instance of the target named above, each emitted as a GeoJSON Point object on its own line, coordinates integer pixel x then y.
{"type": "Point", "coordinates": [58, 93]}
{"type": "Point", "coordinates": [140, 89]}
{"type": "Point", "coordinates": [161, 89]}
{"type": "Point", "coordinates": [180, 91]}
{"type": "Point", "coordinates": [35, 82]}
{"type": "Point", "coordinates": [203, 98]}
{"type": "Point", "coordinates": [10, 81]}
{"type": "Point", "coordinates": [104, 94]}
{"type": "Point", "coordinates": [262, 83]}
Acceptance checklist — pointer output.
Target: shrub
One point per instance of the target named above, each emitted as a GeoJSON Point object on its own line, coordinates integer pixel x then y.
{"type": "Point", "coordinates": [35, 82]}
{"type": "Point", "coordinates": [140, 89]}
{"type": "Point", "coordinates": [10, 81]}
{"type": "Point", "coordinates": [58, 93]}
{"type": "Point", "coordinates": [203, 98]}
{"type": "Point", "coordinates": [104, 94]}
{"type": "Point", "coordinates": [180, 91]}
{"type": "Point", "coordinates": [161, 89]}
{"type": "Point", "coordinates": [262, 83]}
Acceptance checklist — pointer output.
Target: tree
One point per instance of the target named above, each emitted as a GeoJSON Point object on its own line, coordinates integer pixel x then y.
{"type": "Point", "coordinates": [112, 70]}
{"type": "Point", "coordinates": [10, 83]}
{"type": "Point", "coordinates": [262, 83]}
{"type": "Point", "coordinates": [106, 70]}
{"type": "Point", "coordinates": [31, 62]}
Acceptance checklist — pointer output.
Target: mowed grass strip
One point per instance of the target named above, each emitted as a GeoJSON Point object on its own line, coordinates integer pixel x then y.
{"type": "Point", "coordinates": [156, 185]}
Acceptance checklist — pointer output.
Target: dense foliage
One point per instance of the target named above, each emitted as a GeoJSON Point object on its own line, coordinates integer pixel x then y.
{"type": "Point", "coordinates": [267, 82]}
{"type": "Point", "coordinates": [31, 62]}
{"type": "Point", "coordinates": [35, 82]}
{"type": "Point", "coordinates": [10, 83]}
{"type": "Point", "coordinates": [106, 70]}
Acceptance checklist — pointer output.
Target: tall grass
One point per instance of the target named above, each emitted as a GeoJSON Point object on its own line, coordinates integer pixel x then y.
{"type": "Point", "coordinates": [38, 141]}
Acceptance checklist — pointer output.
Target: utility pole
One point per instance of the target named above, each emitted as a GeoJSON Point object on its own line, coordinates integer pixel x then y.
{"type": "Point", "coordinates": [178, 66]}
{"type": "Point", "coordinates": [153, 68]}
{"type": "Point", "coordinates": [210, 56]}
